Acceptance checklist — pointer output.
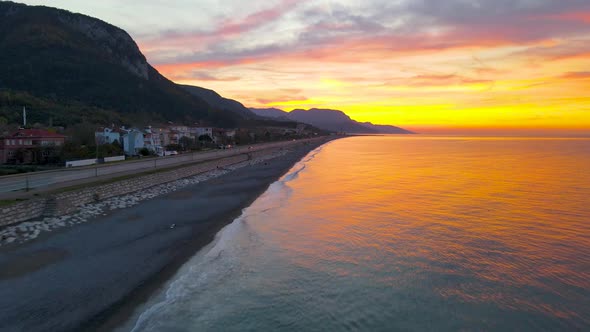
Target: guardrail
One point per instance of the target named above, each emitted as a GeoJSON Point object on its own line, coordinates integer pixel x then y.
{"type": "Point", "coordinates": [36, 180]}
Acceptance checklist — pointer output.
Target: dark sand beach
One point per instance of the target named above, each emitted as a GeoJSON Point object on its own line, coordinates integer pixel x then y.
{"type": "Point", "coordinates": [91, 277]}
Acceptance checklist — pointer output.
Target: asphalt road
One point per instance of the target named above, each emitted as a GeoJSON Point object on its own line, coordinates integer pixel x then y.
{"type": "Point", "coordinates": [39, 180]}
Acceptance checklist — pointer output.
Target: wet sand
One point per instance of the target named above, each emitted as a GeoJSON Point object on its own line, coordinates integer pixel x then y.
{"type": "Point", "coordinates": [90, 277]}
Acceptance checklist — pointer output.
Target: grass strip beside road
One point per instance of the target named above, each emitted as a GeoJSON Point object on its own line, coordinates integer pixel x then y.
{"type": "Point", "coordinates": [7, 202]}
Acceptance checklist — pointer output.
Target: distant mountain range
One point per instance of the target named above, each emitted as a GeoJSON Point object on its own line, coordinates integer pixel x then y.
{"type": "Point", "coordinates": [274, 113]}
{"type": "Point", "coordinates": [74, 68]}
{"type": "Point", "coordinates": [69, 68]}
{"type": "Point", "coordinates": [327, 119]}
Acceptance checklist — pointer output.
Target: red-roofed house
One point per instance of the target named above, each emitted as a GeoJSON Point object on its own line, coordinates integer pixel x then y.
{"type": "Point", "coordinates": [20, 146]}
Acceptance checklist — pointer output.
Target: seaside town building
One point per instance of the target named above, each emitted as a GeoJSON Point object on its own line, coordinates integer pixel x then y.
{"type": "Point", "coordinates": [152, 141]}
{"type": "Point", "coordinates": [223, 136]}
{"type": "Point", "coordinates": [184, 130]}
{"type": "Point", "coordinates": [25, 145]}
{"type": "Point", "coordinates": [300, 129]}
{"type": "Point", "coordinates": [197, 132]}
{"type": "Point", "coordinates": [108, 135]}
{"type": "Point", "coordinates": [163, 136]}
{"type": "Point", "coordinates": [133, 139]}
{"type": "Point", "coordinates": [159, 139]}
{"type": "Point", "coordinates": [174, 136]}
{"type": "Point", "coordinates": [133, 142]}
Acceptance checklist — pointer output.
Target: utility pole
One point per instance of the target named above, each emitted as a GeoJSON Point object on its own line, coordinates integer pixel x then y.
{"type": "Point", "coordinates": [24, 117]}
{"type": "Point", "coordinates": [96, 160]}
{"type": "Point", "coordinates": [96, 143]}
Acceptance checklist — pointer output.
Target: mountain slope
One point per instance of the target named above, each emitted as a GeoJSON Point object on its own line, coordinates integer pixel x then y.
{"type": "Point", "coordinates": [274, 113]}
{"type": "Point", "coordinates": [218, 102]}
{"type": "Point", "coordinates": [386, 129]}
{"type": "Point", "coordinates": [333, 120]}
{"type": "Point", "coordinates": [72, 59]}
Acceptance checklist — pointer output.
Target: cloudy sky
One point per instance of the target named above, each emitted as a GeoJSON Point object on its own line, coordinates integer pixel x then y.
{"type": "Point", "coordinates": [428, 65]}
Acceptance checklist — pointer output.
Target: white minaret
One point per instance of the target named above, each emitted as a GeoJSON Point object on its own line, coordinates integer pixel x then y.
{"type": "Point", "coordinates": [24, 117]}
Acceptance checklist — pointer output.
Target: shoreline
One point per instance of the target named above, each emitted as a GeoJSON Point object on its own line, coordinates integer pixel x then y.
{"type": "Point", "coordinates": [28, 230]}
{"type": "Point", "coordinates": [128, 264]}
{"type": "Point", "coordinates": [66, 197]}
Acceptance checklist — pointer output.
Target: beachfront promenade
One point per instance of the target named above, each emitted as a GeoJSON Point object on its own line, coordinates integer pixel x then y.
{"type": "Point", "coordinates": [15, 184]}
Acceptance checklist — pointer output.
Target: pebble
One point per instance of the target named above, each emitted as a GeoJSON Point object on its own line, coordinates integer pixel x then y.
{"type": "Point", "coordinates": [30, 230]}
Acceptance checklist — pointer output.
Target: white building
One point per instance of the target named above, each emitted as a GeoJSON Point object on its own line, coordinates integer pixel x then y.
{"type": "Point", "coordinates": [197, 132]}
{"type": "Point", "coordinates": [230, 133]}
{"type": "Point", "coordinates": [181, 130]}
{"type": "Point", "coordinates": [152, 140]}
{"type": "Point", "coordinates": [161, 135]}
{"type": "Point", "coordinates": [133, 141]}
{"type": "Point", "coordinates": [107, 136]}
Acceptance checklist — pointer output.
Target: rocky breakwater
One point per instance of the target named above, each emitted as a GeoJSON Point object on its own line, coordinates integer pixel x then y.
{"type": "Point", "coordinates": [29, 219]}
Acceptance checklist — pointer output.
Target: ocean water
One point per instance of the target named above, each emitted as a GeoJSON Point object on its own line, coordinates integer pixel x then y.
{"type": "Point", "coordinates": [401, 234]}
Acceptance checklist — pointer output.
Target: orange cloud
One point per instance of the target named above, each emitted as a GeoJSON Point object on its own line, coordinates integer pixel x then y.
{"type": "Point", "coordinates": [577, 75]}
{"type": "Point", "coordinates": [353, 50]}
{"type": "Point", "coordinates": [503, 74]}
{"type": "Point", "coordinates": [281, 100]}
{"type": "Point", "coordinates": [438, 80]}
{"type": "Point", "coordinates": [181, 71]}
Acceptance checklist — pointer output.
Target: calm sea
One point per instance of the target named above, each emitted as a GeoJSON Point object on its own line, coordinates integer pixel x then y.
{"type": "Point", "coordinates": [401, 233]}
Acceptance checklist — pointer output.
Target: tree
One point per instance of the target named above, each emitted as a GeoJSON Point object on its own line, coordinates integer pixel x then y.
{"type": "Point", "coordinates": [4, 127]}
{"type": "Point", "coordinates": [74, 151]}
{"type": "Point", "coordinates": [144, 152]}
{"type": "Point", "coordinates": [82, 134]}
{"type": "Point", "coordinates": [205, 138]}
{"type": "Point", "coordinates": [186, 143]}
{"type": "Point", "coordinates": [173, 147]}
{"type": "Point", "coordinates": [118, 148]}
{"type": "Point", "coordinates": [109, 150]}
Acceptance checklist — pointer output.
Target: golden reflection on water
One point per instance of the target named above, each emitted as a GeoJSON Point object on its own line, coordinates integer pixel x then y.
{"type": "Point", "coordinates": [506, 218]}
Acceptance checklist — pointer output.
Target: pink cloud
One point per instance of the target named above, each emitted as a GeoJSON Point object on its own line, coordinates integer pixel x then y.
{"type": "Point", "coordinates": [578, 16]}
{"type": "Point", "coordinates": [224, 29]}
{"type": "Point", "coordinates": [577, 75]}
{"type": "Point", "coordinates": [441, 80]}
{"type": "Point", "coordinates": [280, 99]}
{"type": "Point", "coordinates": [358, 47]}
{"type": "Point", "coordinates": [255, 20]}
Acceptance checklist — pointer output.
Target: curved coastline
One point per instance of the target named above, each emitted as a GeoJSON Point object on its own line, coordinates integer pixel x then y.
{"type": "Point", "coordinates": [110, 266]}
{"type": "Point", "coordinates": [166, 292]}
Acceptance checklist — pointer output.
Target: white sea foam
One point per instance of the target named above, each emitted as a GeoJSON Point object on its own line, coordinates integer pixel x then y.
{"type": "Point", "coordinates": [220, 259]}
{"type": "Point", "coordinates": [209, 265]}
{"type": "Point", "coordinates": [30, 230]}
{"type": "Point", "coordinates": [376, 233]}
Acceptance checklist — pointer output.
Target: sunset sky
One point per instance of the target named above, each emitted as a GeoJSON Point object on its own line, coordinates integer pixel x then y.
{"type": "Point", "coordinates": [428, 65]}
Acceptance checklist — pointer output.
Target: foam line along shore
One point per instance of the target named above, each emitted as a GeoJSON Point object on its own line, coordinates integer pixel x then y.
{"type": "Point", "coordinates": [122, 257]}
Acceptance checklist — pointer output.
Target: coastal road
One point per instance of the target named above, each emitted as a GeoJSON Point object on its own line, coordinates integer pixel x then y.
{"type": "Point", "coordinates": [15, 184]}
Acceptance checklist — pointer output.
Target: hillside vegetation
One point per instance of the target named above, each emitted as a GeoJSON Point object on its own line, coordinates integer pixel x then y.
{"type": "Point", "coordinates": [70, 68]}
